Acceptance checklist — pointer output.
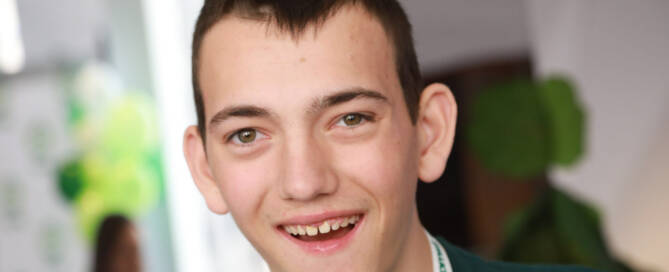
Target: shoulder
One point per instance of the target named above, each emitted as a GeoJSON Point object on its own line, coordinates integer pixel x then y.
{"type": "Point", "coordinates": [463, 261]}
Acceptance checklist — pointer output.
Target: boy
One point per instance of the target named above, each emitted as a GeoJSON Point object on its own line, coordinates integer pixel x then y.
{"type": "Point", "coordinates": [313, 130]}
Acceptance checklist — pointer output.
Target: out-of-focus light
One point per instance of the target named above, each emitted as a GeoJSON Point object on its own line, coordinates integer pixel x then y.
{"type": "Point", "coordinates": [169, 61]}
{"type": "Point", "coordinates": [12, 56]}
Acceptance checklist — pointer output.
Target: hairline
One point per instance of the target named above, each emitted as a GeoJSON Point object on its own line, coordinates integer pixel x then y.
{"type": "Point", "coordinates": [296, 33]}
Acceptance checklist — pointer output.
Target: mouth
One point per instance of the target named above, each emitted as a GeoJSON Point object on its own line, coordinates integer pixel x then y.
{"type": "Point", "coordinates": [323, 236]}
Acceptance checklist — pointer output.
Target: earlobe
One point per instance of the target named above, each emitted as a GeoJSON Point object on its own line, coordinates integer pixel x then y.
{"type": "Point", "coordinates": [436, 130]}
{"type": "Point", "coordinates": [199, 168]}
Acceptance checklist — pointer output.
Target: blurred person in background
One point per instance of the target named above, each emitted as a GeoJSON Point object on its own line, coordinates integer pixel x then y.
{"type": "Point", "coordinates": [117, 246]}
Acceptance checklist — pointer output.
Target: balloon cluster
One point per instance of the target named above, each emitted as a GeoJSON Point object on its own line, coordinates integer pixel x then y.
{"type": "Point", "coordinates": [117, 169]}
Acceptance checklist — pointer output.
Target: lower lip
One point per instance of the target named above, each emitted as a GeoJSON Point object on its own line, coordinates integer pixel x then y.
{"type": "Point", "coordinates": [326, 247]}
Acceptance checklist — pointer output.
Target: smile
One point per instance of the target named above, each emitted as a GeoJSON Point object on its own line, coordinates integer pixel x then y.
{"type": "Point", "coordinates": [323, 228]}
{"type": "Point", "coordinates": [323, 236]}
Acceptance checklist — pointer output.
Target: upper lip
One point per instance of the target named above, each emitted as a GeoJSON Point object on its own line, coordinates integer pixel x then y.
{"type": "Point", "coordinates": [309, 219]}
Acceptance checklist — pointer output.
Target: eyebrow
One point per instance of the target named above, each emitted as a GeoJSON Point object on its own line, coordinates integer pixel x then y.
{"type": "Point", "coordinates": [318, 105]}
{"type": "Point", "coordinates": [345, 96]}
{"type": "Point", "coordinates": [238, 111]}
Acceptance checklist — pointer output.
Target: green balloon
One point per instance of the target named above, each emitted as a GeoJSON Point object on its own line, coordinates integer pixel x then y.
{"type": "Point", "coordinates": [128, 186]}
{"type": "Point", "coordinates": [90, 210]}
{"type": "Point", "coordinates": [71, 180]}
{"type": "Point", "coordinates": [131, 186]}
{"type": "Point", "coordinates": [130, 128]}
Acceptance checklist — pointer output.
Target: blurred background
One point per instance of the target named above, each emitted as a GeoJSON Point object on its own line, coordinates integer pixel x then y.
{"type": "Point", "coordinates": [561, 156]}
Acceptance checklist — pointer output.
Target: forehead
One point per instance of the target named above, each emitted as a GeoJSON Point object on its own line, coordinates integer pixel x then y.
{"type": "Point", "coordinates": [247, 61]}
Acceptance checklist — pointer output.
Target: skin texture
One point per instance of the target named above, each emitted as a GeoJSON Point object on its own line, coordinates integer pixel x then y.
{"type": "Point", "coordinates": [305, 160]}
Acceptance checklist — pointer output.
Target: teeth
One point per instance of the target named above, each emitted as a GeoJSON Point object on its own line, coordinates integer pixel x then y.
{"type": "Point", "coordinates": [312, 231]}
{"type": "Point", "coordinates": [325, 227]}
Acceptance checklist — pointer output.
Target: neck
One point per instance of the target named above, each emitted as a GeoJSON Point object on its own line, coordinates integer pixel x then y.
{"type": "Point", "coordinates": [417, 255]}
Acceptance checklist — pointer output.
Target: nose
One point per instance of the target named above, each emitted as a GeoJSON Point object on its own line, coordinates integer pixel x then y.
{"type": "Point", "coordinates": [306, 171]}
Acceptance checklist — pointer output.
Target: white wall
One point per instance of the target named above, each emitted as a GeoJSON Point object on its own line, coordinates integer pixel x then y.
{"type": "Point", "coordinates": [617, 51]}
{"type": "Point", "coordinates": [455, 32]}
{"type": "Point", "coordinates": [38, 230]}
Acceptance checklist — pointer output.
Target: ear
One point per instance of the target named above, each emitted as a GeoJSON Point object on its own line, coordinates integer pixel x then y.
{"type": "Point", "coordinates": [436, 130]}
{"type": "Point", "coordinates": [201, 172]}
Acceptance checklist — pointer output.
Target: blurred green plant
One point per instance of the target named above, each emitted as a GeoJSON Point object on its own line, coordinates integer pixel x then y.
{"type": "Point", "coordinates": [558, 228]}
{"type": "Point", "coordinates": [520, 129]}
{"type": "Point", "coordinates": [566, 120]}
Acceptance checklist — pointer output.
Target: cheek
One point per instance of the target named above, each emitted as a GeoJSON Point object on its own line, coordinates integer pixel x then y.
{"type": "Point", "coordinates": [243, 185]}
{"type": "Point", "coordinates": [384, 166]}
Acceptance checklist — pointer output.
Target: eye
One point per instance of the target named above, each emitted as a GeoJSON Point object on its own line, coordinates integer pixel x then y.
{"type": "Point", "coordinates": [246, 136]}
{"type": "Point", "coordinates": [353, 120]}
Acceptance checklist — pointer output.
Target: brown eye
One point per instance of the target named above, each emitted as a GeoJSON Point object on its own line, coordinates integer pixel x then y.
{"type": "Point", "coordinates": [246, 135]}
{"type": "Point", "coordinates": [352, 119]}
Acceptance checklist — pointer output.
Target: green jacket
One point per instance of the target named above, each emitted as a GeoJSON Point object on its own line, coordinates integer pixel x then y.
{"type": "Point", "coordinates": [463, 261]}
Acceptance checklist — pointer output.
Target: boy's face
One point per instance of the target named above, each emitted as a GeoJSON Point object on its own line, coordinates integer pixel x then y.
{"type": "Point", "coordinates": [304, 132]}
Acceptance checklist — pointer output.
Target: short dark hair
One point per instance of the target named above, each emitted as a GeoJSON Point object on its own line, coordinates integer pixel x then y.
{"type": "Point", "coordinates": [294, 16]}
